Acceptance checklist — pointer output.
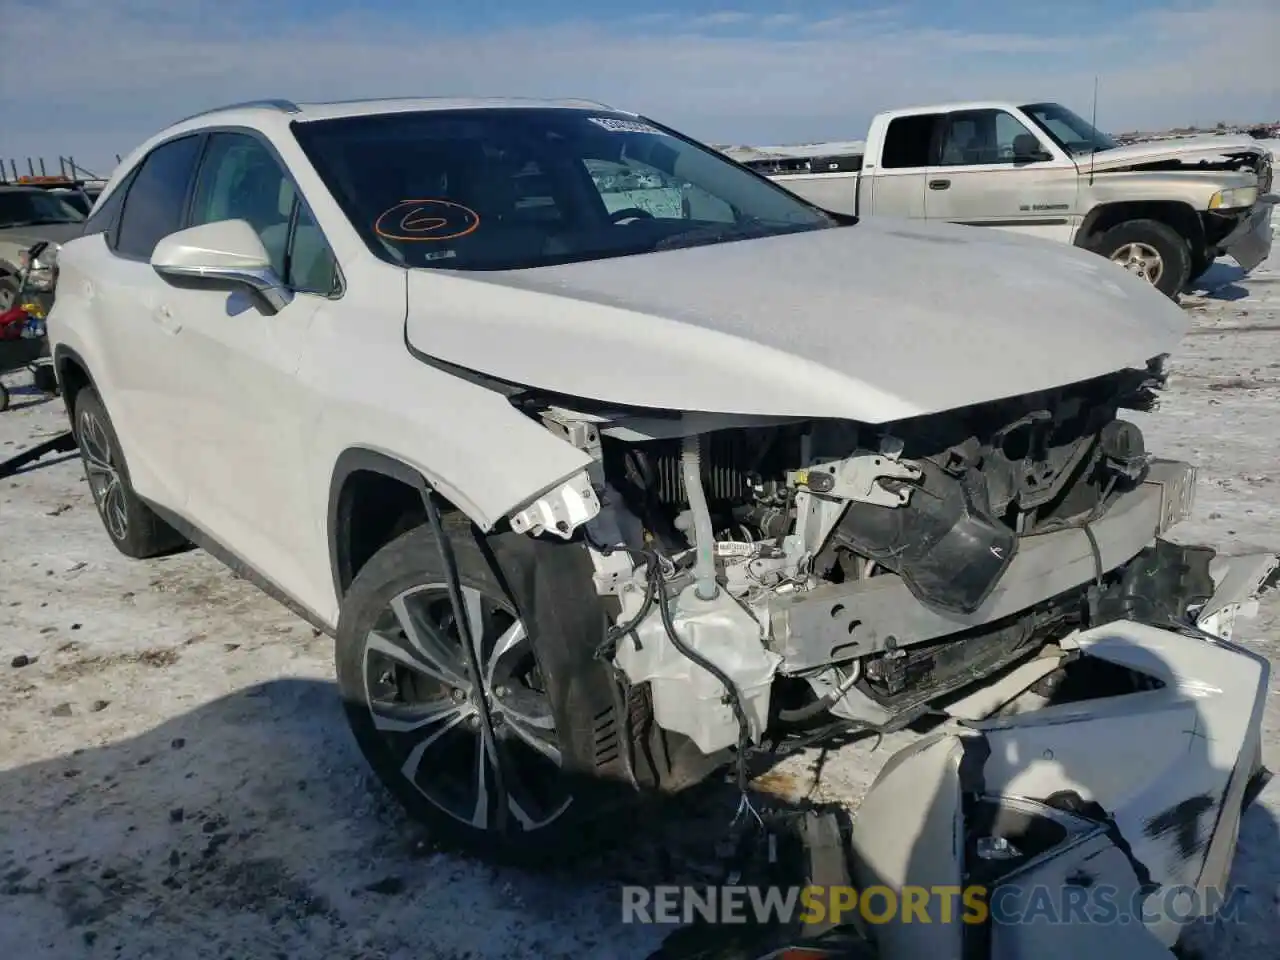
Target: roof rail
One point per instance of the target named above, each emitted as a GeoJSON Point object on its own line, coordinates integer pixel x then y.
{"type": "Point", "coordinates": [284, 106]}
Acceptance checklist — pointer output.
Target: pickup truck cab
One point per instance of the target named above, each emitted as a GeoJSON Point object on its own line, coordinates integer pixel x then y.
{"type": "Point", "coordinates": [1164, 210]}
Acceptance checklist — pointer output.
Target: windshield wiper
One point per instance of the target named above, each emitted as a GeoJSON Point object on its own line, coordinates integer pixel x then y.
{"type": "Point", "coordinates": [715, 233]}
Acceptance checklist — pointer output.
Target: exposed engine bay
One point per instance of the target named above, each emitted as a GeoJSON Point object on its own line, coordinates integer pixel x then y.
{"type": "Point", "coordinates": [1257, 162]}
{"type": "Point", "coordinates": [830, 573]}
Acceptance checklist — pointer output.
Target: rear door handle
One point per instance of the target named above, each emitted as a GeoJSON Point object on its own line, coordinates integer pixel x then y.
{"type": "Point", "coordinates": [939, 184]}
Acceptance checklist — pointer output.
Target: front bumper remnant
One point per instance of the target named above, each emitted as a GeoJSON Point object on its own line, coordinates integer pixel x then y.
{"type": "Point", "coordinates": [1118, 800]}
{"type": "Point", "coordinates": [1250, 243]}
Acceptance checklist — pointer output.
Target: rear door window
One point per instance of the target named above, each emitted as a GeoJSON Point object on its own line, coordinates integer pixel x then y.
{"type": "Point", "coordinates": [156, 202]}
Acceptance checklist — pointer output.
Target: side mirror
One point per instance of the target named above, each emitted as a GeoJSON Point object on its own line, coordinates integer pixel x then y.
{"type": "Point", "coordinates": [1027, 148]}
{"type": "Point", "coordinates": [222, 253]}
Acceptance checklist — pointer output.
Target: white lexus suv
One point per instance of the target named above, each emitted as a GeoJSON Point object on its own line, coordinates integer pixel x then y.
{"type": "Point", "coordinates": [609, 462]}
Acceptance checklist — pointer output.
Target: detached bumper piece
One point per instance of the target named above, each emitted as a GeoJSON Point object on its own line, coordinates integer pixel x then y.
{"type": "Point", "coordinates": [1250, 243]}
{"type": "Point", "coordinates": [1096, 811]}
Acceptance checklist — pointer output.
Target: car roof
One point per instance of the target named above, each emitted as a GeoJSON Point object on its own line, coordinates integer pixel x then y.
{"type": "Point", "coordinates": [330, 110]}
{"type": "Point", "coordinates": [274, 116]}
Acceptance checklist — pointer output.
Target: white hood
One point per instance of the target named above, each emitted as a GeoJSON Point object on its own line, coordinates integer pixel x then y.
{"type": "Point", "coordinates": [1184, 148]}
{"type": "Point", "coordinates": [875, 322]}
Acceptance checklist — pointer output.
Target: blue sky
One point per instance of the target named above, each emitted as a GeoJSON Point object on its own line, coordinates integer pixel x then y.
{"type": "Point", "coordinates": [737, 71]}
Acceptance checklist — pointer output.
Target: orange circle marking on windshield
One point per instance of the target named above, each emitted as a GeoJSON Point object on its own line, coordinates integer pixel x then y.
{"type": "Point", "coordinates": [420, 220]}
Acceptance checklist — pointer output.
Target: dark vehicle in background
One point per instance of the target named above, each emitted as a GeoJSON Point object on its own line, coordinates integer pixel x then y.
{"type": "Point", "coordinates": [29, 214]}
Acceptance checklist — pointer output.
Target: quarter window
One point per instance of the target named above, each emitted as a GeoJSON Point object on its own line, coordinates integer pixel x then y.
{"type": "Point", "coordinates": [106, 219]}
{"type": "Point", "coordinates": [154, 206]}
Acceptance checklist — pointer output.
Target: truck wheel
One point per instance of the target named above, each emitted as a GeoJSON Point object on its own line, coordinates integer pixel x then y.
{"type": "Point", "coordinates": [560, 740]}
{"type": "Point", "coordinates": [1151, 250]}
{"type": "Point", "coordinates": [132, 526]}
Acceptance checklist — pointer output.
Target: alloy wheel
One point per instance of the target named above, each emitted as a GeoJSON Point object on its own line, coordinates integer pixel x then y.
{"type": "Point", "coordinates": [105, 482]}
{"type": "Point", "coordinates": [431, 716]}
{"type": "Point", "coordinates": [1140, 259]}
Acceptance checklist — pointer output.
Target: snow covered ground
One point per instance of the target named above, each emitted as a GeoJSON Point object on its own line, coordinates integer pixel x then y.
{"type": "Point", "coordinates": [177, 781]}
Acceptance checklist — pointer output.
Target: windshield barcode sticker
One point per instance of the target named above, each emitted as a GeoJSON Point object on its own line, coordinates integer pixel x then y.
{"type": "Point", "coordinates": [614, 125]}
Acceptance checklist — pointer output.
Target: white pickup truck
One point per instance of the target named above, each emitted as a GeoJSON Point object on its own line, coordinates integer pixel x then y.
{"type": "Point", "coordinates": [1164, 209]}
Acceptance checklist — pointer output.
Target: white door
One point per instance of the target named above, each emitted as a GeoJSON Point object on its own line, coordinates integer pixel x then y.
{"type": "Point", "coordinates": [893, 184]}
{"type": "Point", "coordinates": [246, 409]}
{"type": "Point", "coordinates": [979, 178]}
{"type": "Point", "coordinates": [137, 356]}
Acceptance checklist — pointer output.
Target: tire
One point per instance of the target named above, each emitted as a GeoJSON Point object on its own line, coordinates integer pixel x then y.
{"type": "Point", "coordinates": [559, 714]}
{"type": "Point", "coordinates": [4, 398]}
{"type": "Point", "coordinates": [45, 379]}
{"type": "Point", "coordinates": [1200, 262]}
{"type": "Point", "coordinates": [132, 526]}
{"type": "Point", "coordinates": [8, 292]}
{"type": "Point", "coordinates": [1152, 250]}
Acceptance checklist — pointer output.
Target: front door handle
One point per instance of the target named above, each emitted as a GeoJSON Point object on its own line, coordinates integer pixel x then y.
{"type": "Point", "coordinates": [939, 184]}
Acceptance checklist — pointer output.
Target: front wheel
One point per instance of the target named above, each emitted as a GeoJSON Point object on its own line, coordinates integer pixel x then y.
{"type": "Point", "coordinates": [556, 756]}
{"type": "Point", "coordinates": [1151, 250]}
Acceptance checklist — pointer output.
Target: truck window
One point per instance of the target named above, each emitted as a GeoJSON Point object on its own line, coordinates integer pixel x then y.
{"type": "Point", "coordinates": [906, 142]}
{"type": "Point", "coordinates": [979, 136]}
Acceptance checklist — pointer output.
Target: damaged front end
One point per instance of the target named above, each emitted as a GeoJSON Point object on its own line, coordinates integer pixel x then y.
{"type": "Point", "coordinates": [775, 581]}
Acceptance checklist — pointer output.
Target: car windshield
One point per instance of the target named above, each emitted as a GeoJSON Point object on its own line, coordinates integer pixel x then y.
{"type": "Point", "coordinates": [1072, 133]}
{"type": "Point", "coordinates": [504, 189]}
{"type": "Point", "coordinates": [77, 198]}
{"type": "Point", "coordinates": [27, 208]}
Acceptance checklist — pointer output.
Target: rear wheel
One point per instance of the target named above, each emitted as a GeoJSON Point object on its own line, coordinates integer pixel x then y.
{"type": "Point", "coordinates": [132, 526]}
{"type": "Point", "coordinates": [1151, 250]}
{"type": "Point", "coordinates": [557, 752]}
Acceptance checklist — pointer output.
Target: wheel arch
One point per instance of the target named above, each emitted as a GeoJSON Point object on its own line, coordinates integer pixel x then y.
{"type": "Point", "coordinates": [373, 497]}
{"type": "Point", "coordinates": [73, 375]}
{"type": "Point", "coordinates": [1177, 214]}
